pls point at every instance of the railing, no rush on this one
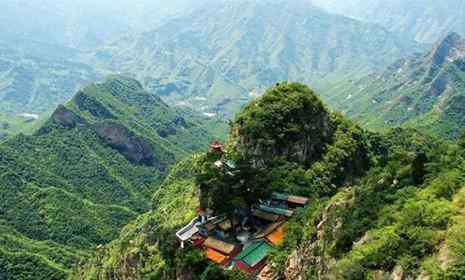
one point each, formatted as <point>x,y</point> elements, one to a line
<point>188,231</point>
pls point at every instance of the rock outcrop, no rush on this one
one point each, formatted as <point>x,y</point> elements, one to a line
<point>309,254</point>
<point>133,148</point>
<point>450,49</point>
<point>66,118</point>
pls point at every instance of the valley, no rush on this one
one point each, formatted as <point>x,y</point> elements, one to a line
<point>309,45</point>
<point>232,140</point>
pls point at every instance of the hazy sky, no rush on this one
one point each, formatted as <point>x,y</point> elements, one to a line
<point>84,22</point>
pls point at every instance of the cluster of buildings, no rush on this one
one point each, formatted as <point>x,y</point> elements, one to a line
<point>246,241</point>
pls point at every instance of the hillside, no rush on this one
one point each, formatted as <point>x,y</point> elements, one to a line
<point>424,20</point>
<point>240,48</point>
<point>34,78</point>
<point>382,205</point>
<point>88,171</point>
<point>424,91</point>
<point>41,56</point>
<point>236,52</point>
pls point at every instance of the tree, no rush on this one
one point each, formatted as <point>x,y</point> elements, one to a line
<point>226,188</point>
<point>418,168</point>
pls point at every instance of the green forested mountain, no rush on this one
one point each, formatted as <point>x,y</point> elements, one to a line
<point>239,48</point>
<point>42,44</point>
<point>96,188</point>
<point>88,171</point>
<point>425,91</point>
<point>382,205</point>
<point>425,20</point>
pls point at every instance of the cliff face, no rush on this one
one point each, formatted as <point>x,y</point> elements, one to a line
<point>134,148</point>
<point>313,253</point>
<point>450,49</point>
<point>66,118</point>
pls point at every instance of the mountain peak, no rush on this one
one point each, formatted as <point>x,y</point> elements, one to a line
<point>283,122</point>
<point>449,49</point>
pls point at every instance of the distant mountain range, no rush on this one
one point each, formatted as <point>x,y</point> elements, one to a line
<point>218,57</point>
<point>212,57</point>
<point>36,77</point>
<point>425,91</point>
<point>89,170</point>
<point>84,24</point>
<point>424,20</point>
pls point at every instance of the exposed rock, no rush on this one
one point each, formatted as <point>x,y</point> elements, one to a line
<point>448,50</point>
<point>397,274</point>
<point>133,148</point>
<point>439,85</point>
<point>361,241</point>
<point>66,118</point>
<point>308,255</point>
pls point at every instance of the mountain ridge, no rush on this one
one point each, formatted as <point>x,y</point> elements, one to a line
<point>414,91</point>
<point>246,51</point>
<point>87,172</point>
<point>424,20</point>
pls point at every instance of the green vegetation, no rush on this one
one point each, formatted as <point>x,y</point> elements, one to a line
<point>305,149</point>
<point>389,220</point>
<point>147,248</point>
<point>241,51</point>
<point>424,91</point>
<point>86,173</point>
<point>35,77</point>
<point>381,204</point>
<point>10,126</point>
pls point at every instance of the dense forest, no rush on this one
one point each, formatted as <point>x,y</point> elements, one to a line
<point>86,173</point>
